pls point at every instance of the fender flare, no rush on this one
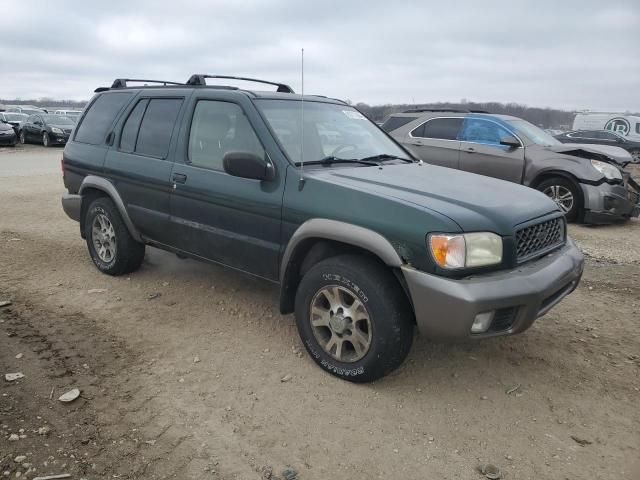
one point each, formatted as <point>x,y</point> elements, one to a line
<point>104,185</point>
<point>325,229</point>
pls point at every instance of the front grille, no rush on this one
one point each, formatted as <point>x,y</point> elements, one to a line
<point>536,240</point>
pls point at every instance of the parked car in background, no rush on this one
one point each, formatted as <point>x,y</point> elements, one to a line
<point>7,135</point>
<point>26,109</point>
<point>14,119</point>
<point>626,125</point>
<point>603,137</point>
<point>586,181</point>
<point>72,114</point>
<point>553,131</point>
<point>47,129</point>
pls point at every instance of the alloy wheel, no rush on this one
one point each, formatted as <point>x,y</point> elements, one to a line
<point>104,238</point>
<point>561,195</point>
<point>341,323</point>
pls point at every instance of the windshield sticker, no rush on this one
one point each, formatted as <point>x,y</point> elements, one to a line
<point>354,115</point>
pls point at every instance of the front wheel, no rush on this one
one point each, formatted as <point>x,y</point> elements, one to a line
<point>23,139</point>
<point>354,318</point>
<point>45,140</point>
<point>566,194</point>
<point>635,155</point>
<point>113,250</point>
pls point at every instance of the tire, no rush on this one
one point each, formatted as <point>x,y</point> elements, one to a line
<point>45,140</point>
<point>383,341</point>
<point>23,140</point>
<point>110,235</point>
<point>560,189</point>
<point>635,154</point>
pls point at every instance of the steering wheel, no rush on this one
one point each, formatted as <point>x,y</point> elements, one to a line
<point>343,146</point>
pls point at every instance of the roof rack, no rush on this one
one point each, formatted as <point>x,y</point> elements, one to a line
<point>200,79</point>
<point>421,110</point>
<point>122,82</point>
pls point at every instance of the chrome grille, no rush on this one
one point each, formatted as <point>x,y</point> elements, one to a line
<point>538,239</point>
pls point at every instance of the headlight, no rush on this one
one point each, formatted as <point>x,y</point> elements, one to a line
<point>466,250</point>
<point>56,130</point>
<point>609,171</point>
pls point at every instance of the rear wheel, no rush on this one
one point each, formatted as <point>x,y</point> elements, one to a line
<point>565,193</point>
<point>45,140</point>
<point>353,318</point>
<point>112,248</point>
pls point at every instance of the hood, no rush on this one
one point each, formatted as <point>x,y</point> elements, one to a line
<point>474,202</point>
<point>64,128</point>
<point>606,153</point>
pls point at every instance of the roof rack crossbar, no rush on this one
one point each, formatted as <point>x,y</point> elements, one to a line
<point>200,79</point>
<point>122,82</point>
<point>420,110</point>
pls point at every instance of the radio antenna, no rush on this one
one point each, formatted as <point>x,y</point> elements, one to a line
<point>301,181</point>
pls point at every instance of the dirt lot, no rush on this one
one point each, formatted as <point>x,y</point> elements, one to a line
<point>188,384</point>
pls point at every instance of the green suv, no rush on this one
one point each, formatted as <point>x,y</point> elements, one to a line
<point>365,241</point>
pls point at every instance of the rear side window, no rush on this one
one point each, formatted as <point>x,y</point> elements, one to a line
<point>394,123</point>
<point>441,128</point>
<point>157,125</point>
<point>131,126</point>
<point>99,117</point>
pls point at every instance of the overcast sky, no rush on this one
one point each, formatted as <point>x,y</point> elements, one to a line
<point>565,54</point>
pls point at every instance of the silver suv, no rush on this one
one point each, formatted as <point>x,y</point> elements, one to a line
<point>586,181</point>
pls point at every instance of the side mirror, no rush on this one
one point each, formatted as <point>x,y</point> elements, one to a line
<point>248,165</point>
<point>510,141</point>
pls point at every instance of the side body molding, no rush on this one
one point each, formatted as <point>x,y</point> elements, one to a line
<point>99,183</point>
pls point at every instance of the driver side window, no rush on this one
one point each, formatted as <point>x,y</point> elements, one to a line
<point>218,128</point>
<point>482,131</point>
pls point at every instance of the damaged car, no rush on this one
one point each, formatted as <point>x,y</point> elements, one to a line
<point>586,181</point>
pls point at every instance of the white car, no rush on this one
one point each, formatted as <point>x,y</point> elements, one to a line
<point>71,114</point>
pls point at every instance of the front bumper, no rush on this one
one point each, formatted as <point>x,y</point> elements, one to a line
<point>72,205</point>
<point>10,139</point>
<point>59,138</point>
<point>606,203</point>
<point>445,308</point>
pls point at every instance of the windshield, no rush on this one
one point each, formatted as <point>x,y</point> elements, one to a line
<point>533,133</point>
<point>15,117</point>
<point>330,130</point>
<point>57,120</point>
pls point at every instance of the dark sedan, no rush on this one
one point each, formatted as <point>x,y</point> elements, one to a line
<point>7,135</point>
<point>14,119</point>
<point>602,137</point>
<point>46,129</point>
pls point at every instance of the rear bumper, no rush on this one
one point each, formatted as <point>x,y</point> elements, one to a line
<point>445,308</point>
<point>72,205</point>
<point>607,203</point>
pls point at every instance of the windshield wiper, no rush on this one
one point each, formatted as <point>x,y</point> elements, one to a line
<point>330,160</point>
<point>385,156</point>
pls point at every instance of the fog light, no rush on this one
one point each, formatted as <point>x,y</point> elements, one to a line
<point>482,322</point>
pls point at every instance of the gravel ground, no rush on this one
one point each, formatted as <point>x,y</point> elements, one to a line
<point>188,384</point>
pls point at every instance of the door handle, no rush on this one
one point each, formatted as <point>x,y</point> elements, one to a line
<point>470,149</point>
<point>179,178</point>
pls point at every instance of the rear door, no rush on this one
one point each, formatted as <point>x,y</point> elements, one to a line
<point>436,141</point>
<point>139,164</point>
<point>230,220</point>
<point>481,152</point>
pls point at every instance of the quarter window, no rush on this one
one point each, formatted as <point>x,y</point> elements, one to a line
<point>157,125</point>
<point>441,128</point>
<point>99,118</point>
<point>482,131</point>
<point>218,128</point>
